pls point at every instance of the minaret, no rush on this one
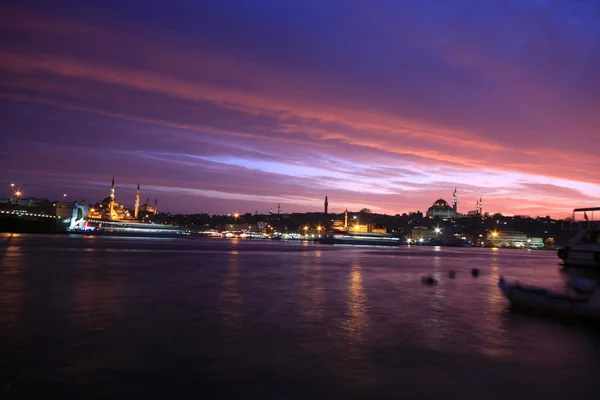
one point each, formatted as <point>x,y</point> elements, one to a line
<point>346,219</point>
<point>477,207</point>
<point>481,206</point>
<point>326,205</point>
<point>454,200</point>
<point>137,202</point>
<point>112,199</point>
<point>155,206</point>
<point>278,209</point>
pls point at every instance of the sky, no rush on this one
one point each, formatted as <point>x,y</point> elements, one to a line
<point>237,106</point>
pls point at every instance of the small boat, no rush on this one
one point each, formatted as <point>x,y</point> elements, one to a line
<point>545,301</point>
<point>582,285</point>
<point>584,248</point>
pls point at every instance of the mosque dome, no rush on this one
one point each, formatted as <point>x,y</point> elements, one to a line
<point>440,204</point>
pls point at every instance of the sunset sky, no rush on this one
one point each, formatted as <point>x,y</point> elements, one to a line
<point>225,106</point>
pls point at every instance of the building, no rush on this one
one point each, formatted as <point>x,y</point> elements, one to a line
<point>111,210</point>
<point>356,227</point>
<point>423,234</point>
<point>441,209</point>
<point>508,239</point>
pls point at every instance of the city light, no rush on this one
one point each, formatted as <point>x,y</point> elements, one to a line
<point>12,185</point>
<point>64,195</point>
<point>494,234</point>
<point>18,193</point>
<point>438,230</point>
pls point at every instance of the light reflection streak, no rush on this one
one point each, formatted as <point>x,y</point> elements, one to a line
<point>496,335</point>
<point>436,325</point>
<point>12,298</point>
<point>357,320</point>
<point>231,296</point>
<point>97,295</point>
<point>312,293</point>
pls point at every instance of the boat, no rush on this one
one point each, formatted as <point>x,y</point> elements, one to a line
<point>548,302</point>
<point>360,239</point>
<point>584,248</point>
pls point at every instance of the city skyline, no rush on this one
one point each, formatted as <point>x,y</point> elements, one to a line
<point>237,106</point>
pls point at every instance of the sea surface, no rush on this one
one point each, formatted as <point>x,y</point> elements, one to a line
<point>112,317</point>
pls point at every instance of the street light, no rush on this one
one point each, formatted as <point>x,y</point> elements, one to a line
<point>438,230</point>
<point>18,193</point>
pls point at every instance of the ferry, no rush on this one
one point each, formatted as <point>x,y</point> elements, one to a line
<point>128,228</point>
<point>584,248</point>
<point>360,239</point>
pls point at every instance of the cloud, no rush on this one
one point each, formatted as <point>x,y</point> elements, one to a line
<point>387,110</point>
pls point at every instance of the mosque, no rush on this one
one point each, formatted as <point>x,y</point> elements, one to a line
<point>441,209</point>
<point>109,209</point>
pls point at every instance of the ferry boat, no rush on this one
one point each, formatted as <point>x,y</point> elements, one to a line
<point>584,248</point>
<point>129,228</point>
<point>360,239</point>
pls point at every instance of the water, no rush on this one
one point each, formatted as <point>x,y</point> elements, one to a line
<point>107,317</point>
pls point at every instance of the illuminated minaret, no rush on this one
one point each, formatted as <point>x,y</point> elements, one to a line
<point>481,206</point>
<point>112,199</point>
<point>137,202</point>
<point>454,200</point>
<point>346,219</point>
<point>326,204</point>
<point>477,207</point>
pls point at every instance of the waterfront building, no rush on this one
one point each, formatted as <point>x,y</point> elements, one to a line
<point>423,234</point>
<point>508,239</point>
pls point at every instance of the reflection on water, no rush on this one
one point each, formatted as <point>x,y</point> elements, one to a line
<point>13,293</point>
<point>231,294</point>
<point>98,293</point>
<point>295,320</point>
<point>357,320</point>
<point>495,332</point>
<point>312,293</point>
<point>436,327</point>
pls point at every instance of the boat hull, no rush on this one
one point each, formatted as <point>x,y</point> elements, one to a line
<point>359,242</point>
<point>544,302</point>
<point>580,257</point>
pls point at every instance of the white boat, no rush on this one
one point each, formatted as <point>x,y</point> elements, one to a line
<point>544,301</point>
<point>584,248</point>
